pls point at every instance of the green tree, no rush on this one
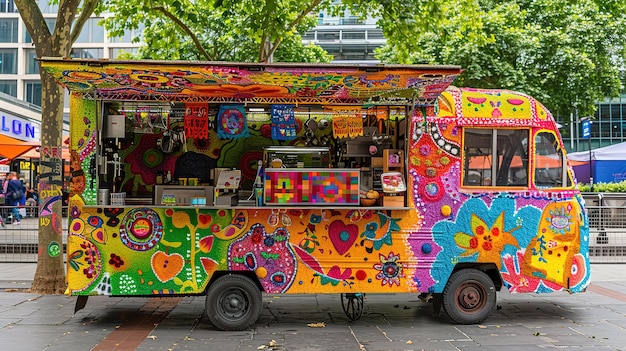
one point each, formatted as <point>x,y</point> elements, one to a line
<point>252,30</point>
<point>50,273</point>
<point>240,31</point>
<point>566,54</point>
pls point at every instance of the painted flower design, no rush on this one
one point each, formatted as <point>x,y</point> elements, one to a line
<point>389,271</point>
<point>560,219</point>
<point>484,240</point>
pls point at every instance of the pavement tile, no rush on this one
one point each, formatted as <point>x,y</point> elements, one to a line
<point>525,322</point>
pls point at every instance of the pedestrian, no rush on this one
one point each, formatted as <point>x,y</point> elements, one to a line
<point>14,195</point>
<point>5,184</point>
<point>32,200</point>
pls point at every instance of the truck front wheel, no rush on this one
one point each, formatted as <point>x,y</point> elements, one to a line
<point>233,302</point>
<point>469,296</point>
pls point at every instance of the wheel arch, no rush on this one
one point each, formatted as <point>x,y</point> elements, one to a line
<point>218,274</point>
<point>488,268</point>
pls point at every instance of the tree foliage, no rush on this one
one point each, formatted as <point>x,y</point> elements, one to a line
<point>566,54</point>
<point>226,30</point>
<point>251,30</point>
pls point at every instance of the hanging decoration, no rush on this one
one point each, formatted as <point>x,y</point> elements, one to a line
<point>231,122</point>
<point>347,121</point>
<point>197,120</point>
<point>283,122</point>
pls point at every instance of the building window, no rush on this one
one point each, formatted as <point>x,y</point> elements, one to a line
<point>8,61</point>
<point>310,35</point>
<point>92,32</point>
<point>31,63</point>
<point>7,6</point>
<point>327,36</point>
<point>87,53</point>
<point>346,35</point>
<point>33,92</point>
<point>9,87</point>
<point>47,6</point>
<point>8,30</point>
<point>350,21</point>
<point>130,36</point>
<point>117,52</point>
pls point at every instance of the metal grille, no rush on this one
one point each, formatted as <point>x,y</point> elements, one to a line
<point>19,242</point>
<point>607,223</point>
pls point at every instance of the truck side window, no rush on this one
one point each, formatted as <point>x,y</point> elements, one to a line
<point>477,151</point>
<point>513,157</point>
<point>508,148</point>
<point>550,171</point>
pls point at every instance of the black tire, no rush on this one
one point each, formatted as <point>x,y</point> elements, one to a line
<point>233,302</point>
<point>469,296</point>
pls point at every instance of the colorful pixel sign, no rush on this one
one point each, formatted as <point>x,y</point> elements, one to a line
<point>312,187</point>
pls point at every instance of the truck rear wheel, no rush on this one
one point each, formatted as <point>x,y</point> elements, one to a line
<point>469,296</point>
<point>233,302</point>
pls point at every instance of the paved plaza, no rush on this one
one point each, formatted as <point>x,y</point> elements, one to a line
<point>594,320</point>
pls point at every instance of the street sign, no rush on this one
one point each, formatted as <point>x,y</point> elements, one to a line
<point>586,129</point>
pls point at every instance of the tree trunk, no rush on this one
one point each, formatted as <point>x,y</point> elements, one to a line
<point>50,274</point>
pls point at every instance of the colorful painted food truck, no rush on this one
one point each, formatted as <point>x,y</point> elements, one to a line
<point>233,179</point>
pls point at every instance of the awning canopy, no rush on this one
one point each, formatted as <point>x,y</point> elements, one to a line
<point>252,82</point>
<point>34,152</point>
<point>12,148</point>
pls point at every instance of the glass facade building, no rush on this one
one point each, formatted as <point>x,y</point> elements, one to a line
<point>608,126</point>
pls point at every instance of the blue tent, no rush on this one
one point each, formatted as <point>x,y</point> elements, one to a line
<point>607,163</point>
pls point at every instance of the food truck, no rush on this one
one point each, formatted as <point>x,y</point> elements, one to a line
<point>235,179</point>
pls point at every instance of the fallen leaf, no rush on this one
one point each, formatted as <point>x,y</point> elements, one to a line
<point>317,325</point>
<point>410,342</point>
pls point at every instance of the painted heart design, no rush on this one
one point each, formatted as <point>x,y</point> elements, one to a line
<point>165,266</point>
<point>204,220</point>
<point>335,272</point>
<point>342,235</point>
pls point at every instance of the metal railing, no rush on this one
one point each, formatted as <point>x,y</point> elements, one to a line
<point>19,242</point>
<point>607,222</point>
<point>607,227</point>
